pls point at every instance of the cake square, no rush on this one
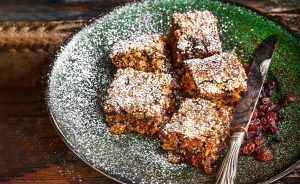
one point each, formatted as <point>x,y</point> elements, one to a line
<point>219,78</point>
<point>145,53</point>
<point>196,133</point>
<point>138,101</point>
<point>193,35</point>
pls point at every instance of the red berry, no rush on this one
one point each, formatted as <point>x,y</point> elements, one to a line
<point>264,121</point>
<point>273,107</point>
<point>265,100</point>
<point>259,140</point>
<point>263,108</point>
<point>265,128</point>
<point>255,122</point>
<point>248,148</point>
<point>269,92</point>
<point>254,115</point>
<point>289,98</point>
<point>251,133</point>
<point>253,127</point>
<point>264,154</point>
<point>272,116</point>
<point>272,127</point>
<point>270,84</point>
<point>269,109</point>
<point>283,102</point>
<point>265,124</point>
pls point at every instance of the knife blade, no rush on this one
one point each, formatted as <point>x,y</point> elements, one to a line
<point>245,107</point>
<point>256,77</point>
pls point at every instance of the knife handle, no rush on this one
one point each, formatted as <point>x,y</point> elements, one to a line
<point>228,169</point>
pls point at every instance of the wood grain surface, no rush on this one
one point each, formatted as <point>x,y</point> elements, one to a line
<point>31,150</point>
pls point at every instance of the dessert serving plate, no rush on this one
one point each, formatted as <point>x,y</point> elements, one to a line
<point>82,71</point>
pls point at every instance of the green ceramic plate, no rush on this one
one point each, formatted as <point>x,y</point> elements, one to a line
<point>82,72</point>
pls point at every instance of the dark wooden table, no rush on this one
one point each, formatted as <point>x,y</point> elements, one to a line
<point>31,150</point>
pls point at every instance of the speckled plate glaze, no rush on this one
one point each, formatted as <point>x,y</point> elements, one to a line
<point>82,72</point>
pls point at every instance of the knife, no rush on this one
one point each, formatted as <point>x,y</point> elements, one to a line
<point>245,107</point>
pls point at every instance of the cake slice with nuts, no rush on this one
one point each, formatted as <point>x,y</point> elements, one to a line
<point>196,133</point>
<point>138,101</point>
<point>193,35</point>
<point>220,78</point>
<point>145,53</point>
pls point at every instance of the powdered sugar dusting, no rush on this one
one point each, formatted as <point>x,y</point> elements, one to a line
<point>78,87</point>
<point>143,41</point>
<point>140,92</point>
<point>197,32</point>
<point>199,118</point>
<point>218,73</point>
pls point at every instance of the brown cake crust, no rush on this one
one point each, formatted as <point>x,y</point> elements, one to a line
<point>220,78</point>
<point>138,101</point>
<point>196,133</point>
<point>193,35</point>
<point>145,53</point>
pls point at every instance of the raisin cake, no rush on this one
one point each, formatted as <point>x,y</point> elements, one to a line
<point>145,53</point>
<point>138,101</point>
<point>196,133</point>
<point>220,78</point>
<point>193,35</point>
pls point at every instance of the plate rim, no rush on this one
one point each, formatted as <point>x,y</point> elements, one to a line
<point>93,20</point>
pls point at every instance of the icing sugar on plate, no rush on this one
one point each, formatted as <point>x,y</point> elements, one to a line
<point>81,73</point>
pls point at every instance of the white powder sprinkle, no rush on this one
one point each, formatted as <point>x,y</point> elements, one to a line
<point>78,87</point>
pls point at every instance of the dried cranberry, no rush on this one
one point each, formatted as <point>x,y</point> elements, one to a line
<point>269,109</point>
<point>273,107</point>
<point>264,121</point>
<point>271,116</point>
<point>280,113</point>
<point>265,100</point>
<point>248,148</point>
<point>254,115</point>
<point>289,98</point>
<point>251,133</point>
<point>261,113</point>
<point>273,127</point>
<point>264,154</point>
<point>266,125</point>
<point>265,128</point>
<point>259,140</point>
<point>253,128</point>
<point>255,122</point>
<point>270,84</point>
<point>282,102</point>
<point>269,93</point>
<point>263,108</point>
